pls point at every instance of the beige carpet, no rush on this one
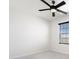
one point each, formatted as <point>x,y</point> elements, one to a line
<point>46,55</point>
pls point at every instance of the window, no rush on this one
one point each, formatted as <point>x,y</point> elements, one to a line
<point>64,33</point>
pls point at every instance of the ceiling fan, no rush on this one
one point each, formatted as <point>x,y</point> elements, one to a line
<point>54,8</point>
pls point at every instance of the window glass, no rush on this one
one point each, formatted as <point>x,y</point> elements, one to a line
<point>64,33</point>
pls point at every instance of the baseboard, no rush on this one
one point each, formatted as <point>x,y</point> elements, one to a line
<point>59,52</point>
<point>31,53</point>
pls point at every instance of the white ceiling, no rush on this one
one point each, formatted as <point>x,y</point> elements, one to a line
<point>31,7</point>
<point>48,15</point>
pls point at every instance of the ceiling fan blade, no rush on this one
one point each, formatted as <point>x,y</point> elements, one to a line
<point>60,4</point>
<point>44,9</point>
<point>53,14</point>
<point>61,11</point>
<point>45,3</point>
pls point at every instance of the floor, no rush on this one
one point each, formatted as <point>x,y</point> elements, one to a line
<point>46,55</point>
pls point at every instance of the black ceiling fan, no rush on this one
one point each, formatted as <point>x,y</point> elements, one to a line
<point>54,8</point>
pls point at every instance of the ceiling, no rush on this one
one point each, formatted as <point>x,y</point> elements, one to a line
<point>48,14</point>
<point>31,7</point>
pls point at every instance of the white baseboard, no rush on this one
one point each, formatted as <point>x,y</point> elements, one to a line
<point>30,53</point>
<point>60,52</point>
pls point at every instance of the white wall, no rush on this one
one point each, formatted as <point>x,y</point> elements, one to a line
<point>28,34</point>
<point>29,31</point>
<point>55,46</point>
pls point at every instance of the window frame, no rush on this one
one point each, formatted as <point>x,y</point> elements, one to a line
<point>60,32</point>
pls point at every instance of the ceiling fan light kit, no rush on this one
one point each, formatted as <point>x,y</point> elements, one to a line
<point>54,8</point>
